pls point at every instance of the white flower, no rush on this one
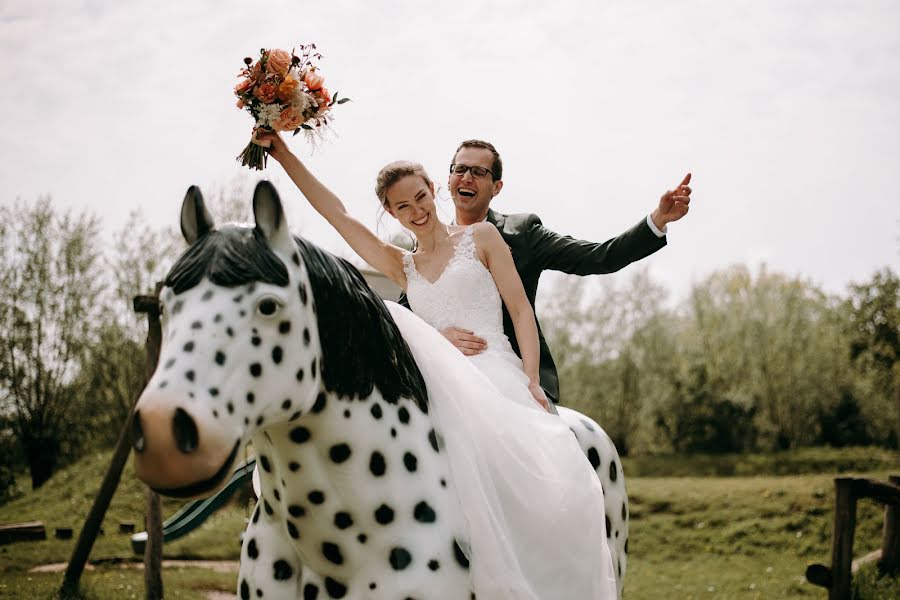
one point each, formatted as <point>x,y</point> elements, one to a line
<point>300,100</point>
<point>268,114</point>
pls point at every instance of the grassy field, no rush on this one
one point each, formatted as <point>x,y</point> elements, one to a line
<point>693,536</point>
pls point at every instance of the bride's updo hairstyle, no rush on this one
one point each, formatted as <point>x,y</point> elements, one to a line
<point>394,172</point>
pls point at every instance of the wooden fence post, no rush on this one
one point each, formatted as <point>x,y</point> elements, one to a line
<point>890,547</point>
<point>153,584</point>
<point>94,520</point>
<point>844,528</point>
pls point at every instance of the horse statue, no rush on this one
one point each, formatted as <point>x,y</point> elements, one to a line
<point>269,340</point>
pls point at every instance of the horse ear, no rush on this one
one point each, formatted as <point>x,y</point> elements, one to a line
<point>269,216</point>
<point>195,219</point>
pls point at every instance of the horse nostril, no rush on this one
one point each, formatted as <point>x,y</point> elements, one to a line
<point>137,432</point>
<point>186,437</point>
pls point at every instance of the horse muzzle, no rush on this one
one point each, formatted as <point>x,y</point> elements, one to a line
<point>175,454</point>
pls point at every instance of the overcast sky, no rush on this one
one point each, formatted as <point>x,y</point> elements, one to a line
<point>787,112</point>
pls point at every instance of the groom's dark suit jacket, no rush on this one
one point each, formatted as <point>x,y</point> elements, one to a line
<point>536,249</point>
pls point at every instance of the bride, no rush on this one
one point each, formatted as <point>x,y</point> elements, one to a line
<point>531,505</point>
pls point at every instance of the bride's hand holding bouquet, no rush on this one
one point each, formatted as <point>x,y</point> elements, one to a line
<point>283,91</point>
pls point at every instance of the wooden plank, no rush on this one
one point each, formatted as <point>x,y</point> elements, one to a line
<point>28,531</point>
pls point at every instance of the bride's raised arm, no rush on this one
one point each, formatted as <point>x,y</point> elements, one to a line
<point>384,257</point>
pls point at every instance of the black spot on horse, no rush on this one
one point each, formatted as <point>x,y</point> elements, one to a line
<point>188,347</point>
<point>245,590</point>
<point>284,327</point>
<point>196,325</point>
<point>230,408</point>
<point>434,565</point>
<point>250,398</point>
<point>190,375</point>
<point>299,434</point>
<point>376,410</point>
<point>587,424</point>
<point>277,354</point>
<point>306,336</point>
<point>252,550</point>
<point>403,415</point>
<point>460,557</point>
<point>319,404</point>
<point>310,591</point>
<point>400,558</point>
<point>256,340</point>
<point>267,507</point>
<point>613,471</point>
<point>176,308</point>
<point>410,462</point>
<point>423,513</point>
<point>303,294</point>
<point>282,570</point>
<point>316,497</point>
<point>169,363</point>
<point>339,453</point>
<point>264,463</point>
<point>332,553</point>
<point>384,514</point>
<point>217,318</point>
<point>377,464</point>
<point>296,511</point>
<point>433,440</point>
<point>299,374</point>
<point>256,369</point>
<point>286,405</point>
<point>608,526</point>
<point>294,466</point>
<point>293,531</point>
<point>277,494</point>
<point>334,588</point>
<point>342,520</point>
<point>594,457</point>
<point>213,392</point>
<point>220,358</point>
<point>624,512</point>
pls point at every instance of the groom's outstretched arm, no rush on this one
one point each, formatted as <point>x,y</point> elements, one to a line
<point>549,250</point>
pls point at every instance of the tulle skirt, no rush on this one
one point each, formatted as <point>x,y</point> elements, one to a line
<point>530,505</point>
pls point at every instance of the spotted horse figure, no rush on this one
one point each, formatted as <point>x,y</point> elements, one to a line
<point>271,340</point>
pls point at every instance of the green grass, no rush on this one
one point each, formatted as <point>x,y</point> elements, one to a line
<point>692,537</point>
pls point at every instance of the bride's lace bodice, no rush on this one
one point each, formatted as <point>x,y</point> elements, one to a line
<point>464,295</point>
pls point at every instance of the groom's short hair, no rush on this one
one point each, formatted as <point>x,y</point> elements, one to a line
<point>496,166</point>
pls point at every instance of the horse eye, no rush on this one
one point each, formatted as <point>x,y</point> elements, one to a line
<point>268,307</point>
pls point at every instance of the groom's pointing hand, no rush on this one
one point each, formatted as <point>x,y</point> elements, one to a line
<point>465,341</point>
<point>673,204</point>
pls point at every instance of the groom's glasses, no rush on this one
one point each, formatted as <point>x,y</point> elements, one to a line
<point>477,172</point>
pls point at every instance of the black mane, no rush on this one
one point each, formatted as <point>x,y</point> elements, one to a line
<point>361,345</point>
<point>230,257</point>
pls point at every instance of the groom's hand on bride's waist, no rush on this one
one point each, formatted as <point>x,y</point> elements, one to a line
<point>465,341</point>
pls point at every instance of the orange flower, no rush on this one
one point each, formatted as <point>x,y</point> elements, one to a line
<point>266,92</point>
<point>243,86</point>
<point>290,118</point>
<point>313,80</point>
<point>279,62</point>
<point>287,87</point>
<point>323,98</point>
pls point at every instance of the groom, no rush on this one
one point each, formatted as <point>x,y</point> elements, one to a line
<point>476,177</point>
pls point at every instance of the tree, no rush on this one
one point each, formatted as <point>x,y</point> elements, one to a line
<point>874,347</point>
<point>49,287</point>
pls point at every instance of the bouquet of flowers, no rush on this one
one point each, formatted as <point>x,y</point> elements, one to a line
<point>283,91</point>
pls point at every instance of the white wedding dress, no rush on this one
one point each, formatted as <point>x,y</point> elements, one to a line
<point>531,506</point>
